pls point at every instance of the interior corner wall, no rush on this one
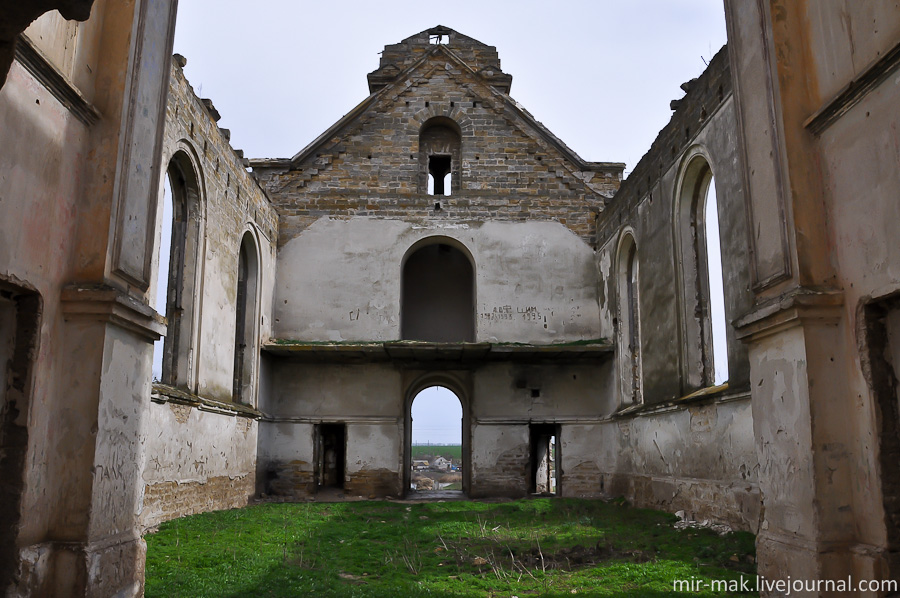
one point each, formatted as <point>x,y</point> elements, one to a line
<point>200,458</point>
<point>695,454</point>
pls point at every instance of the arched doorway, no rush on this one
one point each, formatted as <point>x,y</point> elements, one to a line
<point>437,299</point>
<point>437,442</point>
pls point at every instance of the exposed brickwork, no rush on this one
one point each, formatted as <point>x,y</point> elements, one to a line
<point>168,500</point>
<point>374,482</point>
<point>509,476</point>
<point>705,95</point>
<point>368,164</point>
<point>481,58</point>
<point>231,194</point>
<point>735,504</point>
<point>291,479</point>
<point>581,480</point>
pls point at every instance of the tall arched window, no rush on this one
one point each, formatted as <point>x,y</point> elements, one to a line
<point>703,321</point>
<point>716,285</point>
<point>439,156</point>
<point>178,262</point>
<point>437,298</point>
<point>245,331</point>
<point>629,321</point>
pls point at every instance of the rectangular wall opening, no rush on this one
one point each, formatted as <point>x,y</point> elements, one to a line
<point>331,455</point>
<point>20,312</point>
<point>439,169</point>
<point>882,368</point>
<point>545,459</point>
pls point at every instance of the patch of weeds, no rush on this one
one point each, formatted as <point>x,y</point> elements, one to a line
<point>548,547</point>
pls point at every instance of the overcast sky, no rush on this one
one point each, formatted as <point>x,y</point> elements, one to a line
<point>599,74</point>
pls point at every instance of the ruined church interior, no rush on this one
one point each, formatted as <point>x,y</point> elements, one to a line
<point>439,235</point>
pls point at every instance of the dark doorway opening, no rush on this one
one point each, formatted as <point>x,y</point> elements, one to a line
<point>881,365</point>
<point>331,455</point>
<point>20,312</point>
<point>545,468</point>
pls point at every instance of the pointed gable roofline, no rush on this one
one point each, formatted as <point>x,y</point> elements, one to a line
<point>513,107</point>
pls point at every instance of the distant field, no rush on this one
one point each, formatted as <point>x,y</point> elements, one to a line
<point>450,451</point>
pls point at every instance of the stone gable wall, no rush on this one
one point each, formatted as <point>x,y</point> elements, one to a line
<point>509,171</point>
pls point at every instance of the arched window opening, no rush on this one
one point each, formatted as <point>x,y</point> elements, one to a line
<point>438,295</point>
<point>436,447</point>
<point>629,321</point>
<point>439,156</point>
<point>703,322</point>
<point>245,334</point>
<point>716,285</point>
<point>161,301</point>
<point>178,262</point>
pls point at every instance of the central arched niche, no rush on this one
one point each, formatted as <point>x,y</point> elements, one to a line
<point>437,299</point>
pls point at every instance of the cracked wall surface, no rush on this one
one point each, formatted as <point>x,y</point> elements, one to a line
<point>200,448</point>
<point>688,446</point>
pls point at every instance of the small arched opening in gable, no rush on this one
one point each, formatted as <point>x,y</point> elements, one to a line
<point>440,140</point>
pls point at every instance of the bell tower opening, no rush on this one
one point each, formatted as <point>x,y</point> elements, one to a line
<point>440,140</point>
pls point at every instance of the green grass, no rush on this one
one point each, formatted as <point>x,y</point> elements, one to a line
<point>539,547</point>
<point>451,451</point>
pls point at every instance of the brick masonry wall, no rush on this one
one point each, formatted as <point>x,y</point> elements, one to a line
<point>198,460</point>
<point>511,168</point>
<point>169,500</point>
<point>706,94</point>
<point>232,196</point>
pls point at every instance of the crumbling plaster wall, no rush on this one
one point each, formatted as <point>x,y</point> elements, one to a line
<point>371,399</point>
<point>37,203</point>
<point>72,97</point>
<point>340,280</point>
<point>864,145</point>
<point>368,398</point>
<point>851,141</point>
<point>201,453</point>
<point>679,452</point>
<point>352,210</point>
<point>820,140</point>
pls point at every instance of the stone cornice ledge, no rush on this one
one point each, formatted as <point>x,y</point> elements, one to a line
<point>712,395</point>
<point>163,393</point>
<point>788,310</point>
<point>107,303</point>
<point>34,61</point>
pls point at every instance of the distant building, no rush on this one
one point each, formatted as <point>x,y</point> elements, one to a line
<point>441,463</point>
